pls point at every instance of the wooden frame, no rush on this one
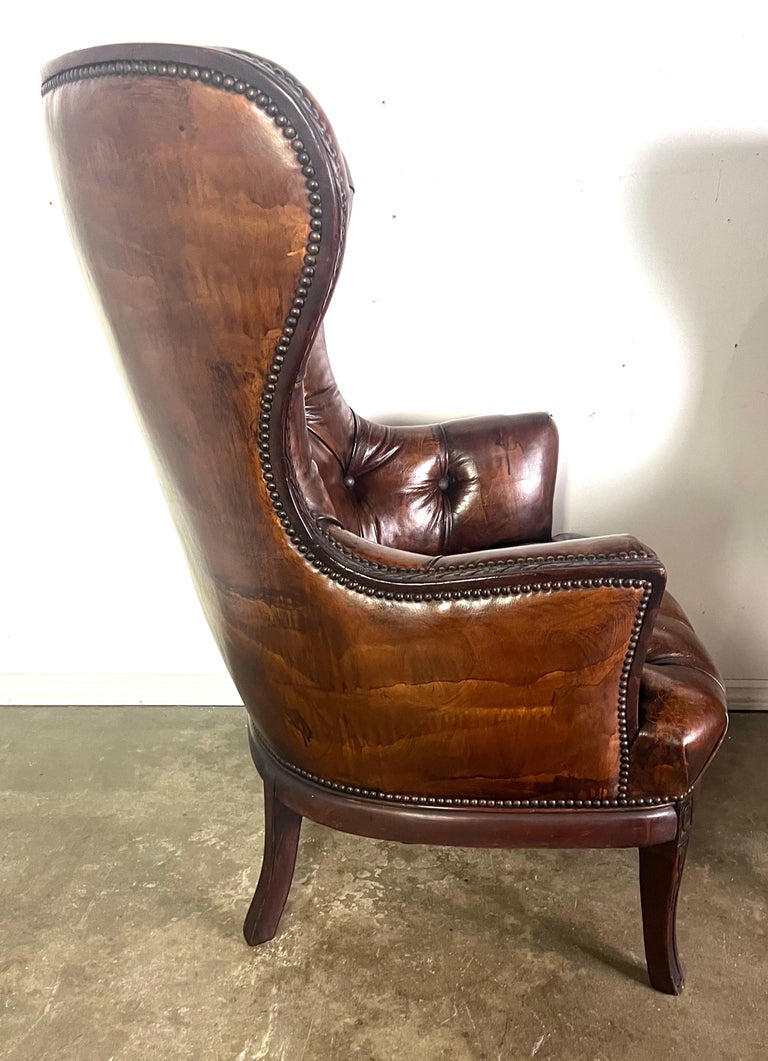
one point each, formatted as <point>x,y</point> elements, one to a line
<point>660,833</point>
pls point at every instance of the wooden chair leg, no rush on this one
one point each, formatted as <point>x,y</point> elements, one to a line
<point>281,841</point>
<point>661,870</point>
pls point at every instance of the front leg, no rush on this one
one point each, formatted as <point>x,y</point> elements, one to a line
<point>661,870</point>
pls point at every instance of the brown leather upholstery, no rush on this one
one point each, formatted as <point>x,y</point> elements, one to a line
<point>683,708</point>
<point>443,488</point>
<point>388,599</point>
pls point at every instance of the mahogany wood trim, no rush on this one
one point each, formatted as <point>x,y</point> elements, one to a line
<point>659,833</point>
<point>281,840</point>
<point>661,872</point>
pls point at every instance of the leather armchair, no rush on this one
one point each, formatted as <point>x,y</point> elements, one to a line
<point>418,658</point>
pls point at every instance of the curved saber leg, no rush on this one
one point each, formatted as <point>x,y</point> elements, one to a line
<point>281,841</point>
<point>661,870</point>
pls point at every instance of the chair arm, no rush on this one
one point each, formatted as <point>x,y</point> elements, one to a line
<point>618,560</point>
<point>439,657</point>
<point>683,708</point>
<point>683,720</point>
<point>619,554</point>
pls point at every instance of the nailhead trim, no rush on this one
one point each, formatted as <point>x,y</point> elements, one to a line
<point>228,83</point>
<point>464,801</point>
<point>622,799</point>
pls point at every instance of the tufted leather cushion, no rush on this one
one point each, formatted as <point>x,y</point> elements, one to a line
<point>442,488</point>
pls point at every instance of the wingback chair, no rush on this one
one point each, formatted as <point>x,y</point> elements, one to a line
<point>419,659</point>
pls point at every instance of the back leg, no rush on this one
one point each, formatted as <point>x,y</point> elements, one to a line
<point>281,841</point>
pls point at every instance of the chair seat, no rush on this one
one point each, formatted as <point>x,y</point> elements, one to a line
<point>682,709</point>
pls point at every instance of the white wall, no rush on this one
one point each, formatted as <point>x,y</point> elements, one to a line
<point>559,206</point>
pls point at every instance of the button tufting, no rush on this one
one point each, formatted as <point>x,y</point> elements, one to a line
<point>443,483</point>
<point>349,480</point>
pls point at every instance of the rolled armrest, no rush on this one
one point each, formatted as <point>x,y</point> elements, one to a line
<point>683,709</point>
<point>683,720</point>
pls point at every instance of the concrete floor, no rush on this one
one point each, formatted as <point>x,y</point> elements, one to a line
<point>131,845</point>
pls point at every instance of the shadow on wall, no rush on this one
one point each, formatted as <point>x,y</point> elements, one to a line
<point>698,214</point>
<point>696,211</point>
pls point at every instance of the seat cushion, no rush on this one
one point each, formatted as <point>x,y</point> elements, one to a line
<point>683,715</point>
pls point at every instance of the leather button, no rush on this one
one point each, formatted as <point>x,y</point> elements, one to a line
<point>443,483</point>
<point>349,481</point>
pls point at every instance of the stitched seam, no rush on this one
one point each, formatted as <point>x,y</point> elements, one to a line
<point>677,661</point>
<point>508,563</point>
<point>321,442</point>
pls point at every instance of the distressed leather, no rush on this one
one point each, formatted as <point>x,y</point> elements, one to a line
<point>389,600</point>
<point>683,708</point>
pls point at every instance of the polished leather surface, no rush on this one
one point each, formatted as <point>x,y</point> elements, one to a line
<point>441,488</point>
<point>682,707</point>
<point>388,600</point>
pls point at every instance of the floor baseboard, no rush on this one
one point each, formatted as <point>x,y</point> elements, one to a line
<point>159,690</point>
<point>747,694</point>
